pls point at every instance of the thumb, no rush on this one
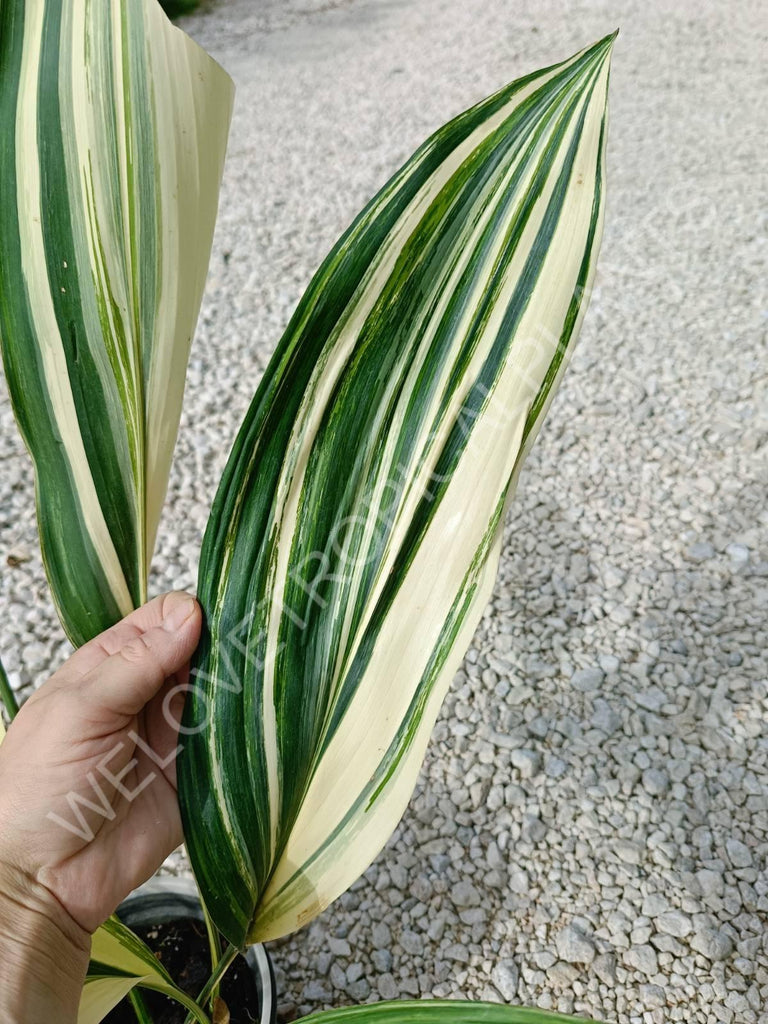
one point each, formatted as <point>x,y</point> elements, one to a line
<point>130,677</point>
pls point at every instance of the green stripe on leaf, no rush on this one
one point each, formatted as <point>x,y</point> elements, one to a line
<point>354,540</point>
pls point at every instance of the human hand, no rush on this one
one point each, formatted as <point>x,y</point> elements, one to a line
<point>88,806</point>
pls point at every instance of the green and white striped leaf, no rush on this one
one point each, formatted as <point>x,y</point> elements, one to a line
<point>119,963</point>
<point>113,128</point>
<point>438,1011</point>
<point>355,537</point>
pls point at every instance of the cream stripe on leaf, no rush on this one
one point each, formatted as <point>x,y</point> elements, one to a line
<point>114,128</point>
<point>119,963</point>
<point>355,537</point>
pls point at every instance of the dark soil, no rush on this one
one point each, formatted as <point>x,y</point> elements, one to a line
<point>182,948</point>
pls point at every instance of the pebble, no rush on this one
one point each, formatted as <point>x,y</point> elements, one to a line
<point>574,947</point>
<point>562,975</point>
<point>629,852</point>
<point>643,959</point>
<point>738,853</point>
<point>712,943</point>
<point>411,942</point>
<point>700,552</point>
<point>652,699</point>
<point>316,992</point>
<point>339,947</point>
<point>737,553</point>
<point>605,718</point>
<point>653,996</point>
<point>710,882</point>
<point>527,762</point>
<point>464,894</point>
<point>654,905</point>
<point>534,829</point>
<point>587,680</point>
<point>506,976</point>
<point>381,936</point>
<point>382,960</point>
<point>354,972</point>
<point>655,781</point>
<point>674,923</point>
<point>604,966</point>
<point>609,663</point>
<point>555,767</point>
<point>387,986</point>
<point>518,881</point>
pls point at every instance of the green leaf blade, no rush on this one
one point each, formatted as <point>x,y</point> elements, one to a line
<point>121,962</point>
<point>439,1011</point>
<point>355,538</point>
<point>111,154</point>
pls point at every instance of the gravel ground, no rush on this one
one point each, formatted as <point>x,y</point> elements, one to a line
<point>590,831</point>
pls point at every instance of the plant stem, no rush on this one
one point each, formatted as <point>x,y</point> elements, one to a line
<point>139,1007</point>
<point>219,971</point>
<point>214,942</point>
<point>195,1012</point>
<point>7,694</point>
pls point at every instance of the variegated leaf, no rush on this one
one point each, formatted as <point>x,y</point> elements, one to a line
<point>119,963</point>
<point>355,537</point>
<point>438,1011</point>
<point>113,127</point>
<point>101,994</point>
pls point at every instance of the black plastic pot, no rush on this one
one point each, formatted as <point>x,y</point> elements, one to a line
<point>167,900</point>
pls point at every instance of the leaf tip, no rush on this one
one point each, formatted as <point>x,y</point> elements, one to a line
<point>606,43</point>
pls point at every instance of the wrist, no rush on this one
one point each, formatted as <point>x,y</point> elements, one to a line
<point>43,952</point>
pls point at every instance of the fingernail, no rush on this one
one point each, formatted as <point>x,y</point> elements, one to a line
<point>178,608</point>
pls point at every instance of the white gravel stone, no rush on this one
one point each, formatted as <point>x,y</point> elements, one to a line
<point>713,943</point>
<point>506,976</point>
<point>574,947</point>
<point>655,781</point>
<point>464,894</point>
<point>675,923</point>
<point>652,996</point>
<point>737,552</point>
<point>642,959</point>
<point>710,882</point>
<point>604,966</point>
<point>587,679</point>
<point>654,905</point>
<point>527,762</point>
<point>738,853</point>
<point>382,960</point>
<point>381,935</point>
<point>629,852</point>
<point>339,947</point>
<point>387,986</point>
<point>411,942</point>
<point>605,718</point>
<point>562,975</point>
<point>700,552</point>
<point>518,881</point>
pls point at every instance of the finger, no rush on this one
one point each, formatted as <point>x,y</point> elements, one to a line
<point>103,646</point>
<point>162,718</point>
<point>130,678</point>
